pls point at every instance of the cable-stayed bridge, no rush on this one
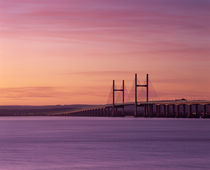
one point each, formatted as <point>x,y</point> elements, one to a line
<point>144,108</point>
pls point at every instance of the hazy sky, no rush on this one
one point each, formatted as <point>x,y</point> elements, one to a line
<point>69,51</point>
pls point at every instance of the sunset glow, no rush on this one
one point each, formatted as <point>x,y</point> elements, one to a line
<point>69,51</point>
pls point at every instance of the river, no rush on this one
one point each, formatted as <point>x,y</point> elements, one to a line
<point>73,143</point>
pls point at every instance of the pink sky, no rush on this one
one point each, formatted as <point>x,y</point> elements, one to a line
<point>69,51</point>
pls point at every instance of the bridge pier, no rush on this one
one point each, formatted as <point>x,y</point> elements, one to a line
<point>145,110</point>
<point>158,110</point>
<point>184,110</point>
<point>205,111</point>
<point>178,110</point>
<point>109,112</point>
<point>98,113</point>
<point>106,112</point>
<point>89,113</point>
<point>189,114</point>
<point>167,110</point>
<point>114,107</point>
<point>92,113</point>
<point>151,110</point>
<point>145,114</point>
<point>197,111</point>
<point>164,110</point>
<point>103,112</point>
<point>174,110</point>
<point>113,111</point>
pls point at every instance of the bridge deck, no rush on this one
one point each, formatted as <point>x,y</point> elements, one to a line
<point>178,108</point>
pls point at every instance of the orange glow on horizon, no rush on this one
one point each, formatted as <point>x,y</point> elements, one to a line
<point>69,53</point>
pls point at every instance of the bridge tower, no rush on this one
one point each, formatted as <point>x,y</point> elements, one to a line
<point>114,105</point>
<point>136,94</point>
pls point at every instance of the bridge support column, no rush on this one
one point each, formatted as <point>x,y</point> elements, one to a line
<point>136,95</point>
<point>157,111</point>
<point>196,111</point>
<point>178,110</point>
<point>113,111</point>
<point>110,112</point>
<point>102,112</point>
<point>145,110</point>
<point>105,112</point>
<point>189,111</point>
<point>99,113</point>
<point>160,110</point>
<point>151,110</point>
<point>174,110</point>
<point>168,111</point>
<point>165,110</point>
<point>114,108</point>
<point>184,110</point>
<point>204,111</point>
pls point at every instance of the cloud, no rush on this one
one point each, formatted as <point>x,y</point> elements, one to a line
<point>102,40</point>
<point>47,92</point>
<point>101,73</point>
<point>126,29</point>
<point>56,18</point>
<point>28,92</point>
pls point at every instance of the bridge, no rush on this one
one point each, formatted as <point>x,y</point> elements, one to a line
<point>169,108</point>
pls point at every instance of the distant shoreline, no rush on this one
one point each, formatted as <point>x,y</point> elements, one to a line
<point>50,110</point>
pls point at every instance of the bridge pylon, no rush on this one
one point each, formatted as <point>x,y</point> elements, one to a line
<point>136,94</point>
<point>114,105</point>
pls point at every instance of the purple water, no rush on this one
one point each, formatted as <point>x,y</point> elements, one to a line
<point>66,143</point>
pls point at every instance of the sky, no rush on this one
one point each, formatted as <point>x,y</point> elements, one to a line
<point>69,51</point>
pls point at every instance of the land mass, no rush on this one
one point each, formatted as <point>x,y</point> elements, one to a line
<point>48,110</point>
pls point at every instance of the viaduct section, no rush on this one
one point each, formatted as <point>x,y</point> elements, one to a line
<point>170,108</point>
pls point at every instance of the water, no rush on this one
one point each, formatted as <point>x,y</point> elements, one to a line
<point>66,143</point>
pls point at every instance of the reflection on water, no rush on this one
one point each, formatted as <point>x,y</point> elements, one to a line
<point>33,143</point>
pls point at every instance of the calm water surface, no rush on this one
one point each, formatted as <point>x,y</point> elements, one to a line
<point>66,143</point>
